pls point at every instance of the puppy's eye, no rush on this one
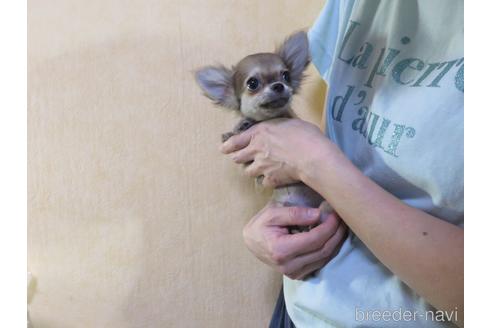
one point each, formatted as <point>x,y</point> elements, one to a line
<point>253,83</point>
<point>286,76</point>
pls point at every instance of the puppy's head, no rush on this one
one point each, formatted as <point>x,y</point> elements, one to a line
<point>260,85</point>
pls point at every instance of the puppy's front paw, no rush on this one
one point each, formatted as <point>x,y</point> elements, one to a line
<point>245,124</point>
<point>226,136</point>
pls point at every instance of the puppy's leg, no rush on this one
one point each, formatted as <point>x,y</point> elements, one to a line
<point>243,125</point>
<point>226,136</point>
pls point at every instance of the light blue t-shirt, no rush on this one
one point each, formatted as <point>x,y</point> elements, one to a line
<point>395,73</point>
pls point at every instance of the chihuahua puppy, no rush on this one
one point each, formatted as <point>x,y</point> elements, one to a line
<point>260,87</point>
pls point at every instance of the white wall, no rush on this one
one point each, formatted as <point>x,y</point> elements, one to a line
<point>135,218</point>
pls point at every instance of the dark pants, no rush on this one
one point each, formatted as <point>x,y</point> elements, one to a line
<point>280,317</point>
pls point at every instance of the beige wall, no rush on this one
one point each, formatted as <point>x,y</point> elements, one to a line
<point>135,218</point>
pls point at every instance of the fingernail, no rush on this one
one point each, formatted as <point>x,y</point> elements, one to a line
<point>223,147</point>
<point>324,216</point>
<point>312,213</point>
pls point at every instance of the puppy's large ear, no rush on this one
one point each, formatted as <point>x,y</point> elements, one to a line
<point>218,84</point>
<point>295,54</point>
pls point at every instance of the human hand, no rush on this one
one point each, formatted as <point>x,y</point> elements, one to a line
<point>294,255</point>
<point>278,149</point>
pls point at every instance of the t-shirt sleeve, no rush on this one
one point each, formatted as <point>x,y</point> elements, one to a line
<point>325,33</point>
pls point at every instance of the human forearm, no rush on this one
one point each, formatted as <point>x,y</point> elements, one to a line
<point>424,251</point>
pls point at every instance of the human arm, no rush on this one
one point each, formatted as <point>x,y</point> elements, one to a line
<point>422,250</point>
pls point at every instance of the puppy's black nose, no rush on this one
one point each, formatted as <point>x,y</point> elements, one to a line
<point>278,87</point>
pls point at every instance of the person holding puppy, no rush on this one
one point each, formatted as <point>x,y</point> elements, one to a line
<point>391,167</point>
